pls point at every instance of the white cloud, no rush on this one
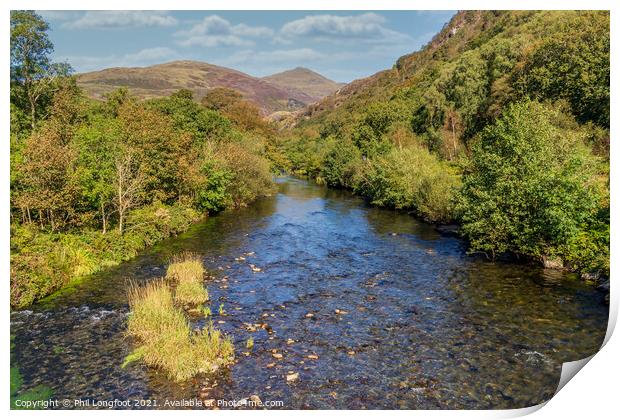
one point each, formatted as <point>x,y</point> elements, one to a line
<point>368,27</point>
<point>300,55</point>
<point>214,31</point>
<point>60,15</point>
<point>143,57</point>
<point>121,19</point>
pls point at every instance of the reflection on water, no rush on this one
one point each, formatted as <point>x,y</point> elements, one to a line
<point>393,315</point>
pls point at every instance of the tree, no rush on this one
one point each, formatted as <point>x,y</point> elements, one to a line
<point>574,65</point>
<point>47,164</point>
<point>128,182</point>
<point>219,98</point>
<point>31,69</point>
<point>530,187</point>
<point>97,145</point>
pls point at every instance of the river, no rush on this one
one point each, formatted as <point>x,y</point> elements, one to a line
<point>392,313</point>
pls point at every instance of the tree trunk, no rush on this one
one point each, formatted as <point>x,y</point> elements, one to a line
<point>103,219</point>
<point>120,222</point>
<point>33,112</point>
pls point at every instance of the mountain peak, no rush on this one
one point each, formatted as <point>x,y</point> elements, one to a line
<point>305,80</point>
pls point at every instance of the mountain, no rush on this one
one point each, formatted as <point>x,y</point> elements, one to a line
<point>163,79</point>
<point>305,80</point>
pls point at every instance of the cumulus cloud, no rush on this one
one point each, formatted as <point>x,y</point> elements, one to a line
<point>121,19</point>
<point>368,27</point>
<point>214,31</point>
<point>139,58</point>
<point>299,55</point>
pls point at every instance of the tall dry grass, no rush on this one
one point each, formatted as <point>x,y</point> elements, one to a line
<point>187,272</point>
<point>166,339</point>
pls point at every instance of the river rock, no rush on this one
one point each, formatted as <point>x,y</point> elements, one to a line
<point>604,286</point>
<point>255,399</point>
<point>292,377</point>
<point>313,356</point>
<point>277,355</point>
<point>591,275</point>
<point>452,229</point>
<point>552,262</point>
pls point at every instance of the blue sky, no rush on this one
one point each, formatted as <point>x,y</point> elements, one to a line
<point>340,45</point>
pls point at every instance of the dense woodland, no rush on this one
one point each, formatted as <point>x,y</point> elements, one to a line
<point>500,124</point>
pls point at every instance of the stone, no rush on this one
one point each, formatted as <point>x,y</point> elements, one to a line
<point>309,315</point>
<point>290,341</point>
<point>313,356</point>
<point>255,399</point>
<point>292,377</point>
<point>277,355</point>
<point>552,262</point>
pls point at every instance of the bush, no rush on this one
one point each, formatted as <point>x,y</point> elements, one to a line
<point>340,164</point>
<point>411,179</point>
<point>530,187</point>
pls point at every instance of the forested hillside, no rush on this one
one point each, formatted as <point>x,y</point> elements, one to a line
<point>500,123</point>
<point>93,182</point>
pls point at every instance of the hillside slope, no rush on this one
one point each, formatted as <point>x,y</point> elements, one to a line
<point>500,123</point>
<point>164,79</point>
<point>305,80</point>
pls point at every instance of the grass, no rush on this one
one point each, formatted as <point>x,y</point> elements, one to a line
<point>187,271</point>
<point>167,341</point>
<point>39,394</point>
<point>44,263</point>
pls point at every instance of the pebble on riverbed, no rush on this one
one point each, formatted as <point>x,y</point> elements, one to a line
<point>292,377</point>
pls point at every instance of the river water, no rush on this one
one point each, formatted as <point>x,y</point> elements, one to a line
<point>392,313</point>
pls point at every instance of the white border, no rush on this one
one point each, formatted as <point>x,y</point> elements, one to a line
<point>593,394</point>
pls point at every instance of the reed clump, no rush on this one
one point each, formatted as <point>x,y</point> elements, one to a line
<point>187,272</point>
<point>166,339</point>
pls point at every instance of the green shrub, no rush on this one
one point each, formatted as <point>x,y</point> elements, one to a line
<point>530,187</point>
<point>43,262</point>
<point>411,179</point>
<point>340,164</point>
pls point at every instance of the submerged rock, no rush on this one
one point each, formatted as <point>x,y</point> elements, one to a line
<point>552,262</point>
<point>292,377</point>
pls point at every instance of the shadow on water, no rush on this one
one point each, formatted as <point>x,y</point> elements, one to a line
<point>372,308</point>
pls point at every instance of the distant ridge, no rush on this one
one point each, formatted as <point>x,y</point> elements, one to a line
<point>270,94</point>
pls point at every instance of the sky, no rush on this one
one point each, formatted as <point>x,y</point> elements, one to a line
<point>342,46</point>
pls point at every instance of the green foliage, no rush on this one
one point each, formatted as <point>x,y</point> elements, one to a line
<point>43,262</point>
<point>340,164</point>
<point>574,65</point>
<point>411,179</point>
<point>369,135</point>
<point>188,116</point>
<point>39,393</point>
<point>530,187</point>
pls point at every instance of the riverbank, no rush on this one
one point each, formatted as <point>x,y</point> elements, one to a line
<point>42,263</point>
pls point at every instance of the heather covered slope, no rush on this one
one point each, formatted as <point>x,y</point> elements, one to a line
<point>164,79</point>
<point>305,80</point>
